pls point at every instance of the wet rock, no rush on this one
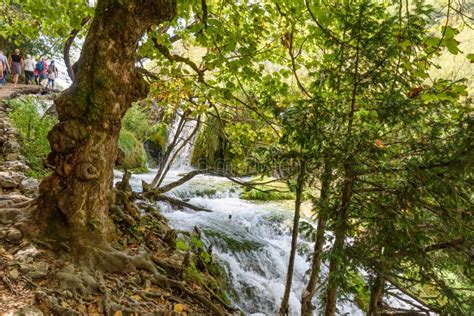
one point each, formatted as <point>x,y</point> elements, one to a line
<point>14,236</point>
<point>29,185</point>
<point>28,311</point>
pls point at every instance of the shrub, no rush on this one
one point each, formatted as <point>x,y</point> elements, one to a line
<point>34,128</point>
<point>137,121</point>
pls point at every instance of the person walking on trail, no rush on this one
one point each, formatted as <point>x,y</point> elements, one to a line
<point>4,68</point>
<point>16,62</point>
<point>29,69</point>
<point>41,69</point>
<point>53,73</point>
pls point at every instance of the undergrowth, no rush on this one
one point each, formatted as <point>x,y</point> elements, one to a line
<point>27,117</point>
<point>136,127</point>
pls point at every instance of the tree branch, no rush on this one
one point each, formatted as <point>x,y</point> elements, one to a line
<point>67,47</point>
<point>177,58</point>
<point>175,202</point>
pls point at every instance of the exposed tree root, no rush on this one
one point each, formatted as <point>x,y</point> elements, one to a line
<point>141,272</point>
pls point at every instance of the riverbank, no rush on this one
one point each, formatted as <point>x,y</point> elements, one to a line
<point>142,272</point>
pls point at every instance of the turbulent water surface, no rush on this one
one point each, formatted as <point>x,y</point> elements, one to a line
<point>251,239</point>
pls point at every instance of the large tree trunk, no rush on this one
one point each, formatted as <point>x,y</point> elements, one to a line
<point>74,201</point>
<point>306,306</point>
<point>337,252</point>
<point>294,239</point>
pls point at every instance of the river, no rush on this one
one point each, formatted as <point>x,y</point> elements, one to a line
<point>251,239</point>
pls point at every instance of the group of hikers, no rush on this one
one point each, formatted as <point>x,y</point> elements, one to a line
<point>35,72</point>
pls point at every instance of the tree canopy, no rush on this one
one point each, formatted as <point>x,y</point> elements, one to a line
<point>345,101</point>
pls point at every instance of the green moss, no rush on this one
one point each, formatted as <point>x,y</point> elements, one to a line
<point>137,121</point>
<point>134,152</point>
<point>207,146</point>
<point>159,135</point>
<point>273,191</point>
<point>233,244</point>
<point>202,269</point>
<point>275,218</point>
<point>266,196</point>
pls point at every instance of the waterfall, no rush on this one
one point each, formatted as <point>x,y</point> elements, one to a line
<point>251,240</point>
<point>183,154</point>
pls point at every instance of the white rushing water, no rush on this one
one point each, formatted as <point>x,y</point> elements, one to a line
<point>251,239</point>
<point>184,143</point>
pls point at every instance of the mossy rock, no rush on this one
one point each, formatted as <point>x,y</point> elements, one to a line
<point>266,196</point>
<point>231,243</point>
<point>159,135</point>
<point>156,143</point>
<point>134,152</point>
<point>27,117</point>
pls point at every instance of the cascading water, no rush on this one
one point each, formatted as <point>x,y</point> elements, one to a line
<point>183,154</point>
<point>251,239</point>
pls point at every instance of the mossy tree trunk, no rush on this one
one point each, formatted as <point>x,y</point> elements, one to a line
<point>74,201</point>
<point>3,44</point>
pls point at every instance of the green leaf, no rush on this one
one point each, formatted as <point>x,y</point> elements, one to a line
<point>449,32</point>
<point>452,46</point>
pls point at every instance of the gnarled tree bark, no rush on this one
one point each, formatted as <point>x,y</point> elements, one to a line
<point>74,201</point>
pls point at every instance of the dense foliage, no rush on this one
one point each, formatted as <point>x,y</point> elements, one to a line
<point>345,87</point>
<point>29,117</point>
<point>345,102</point>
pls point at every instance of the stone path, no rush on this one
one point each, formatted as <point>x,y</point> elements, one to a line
<point>15,187</point>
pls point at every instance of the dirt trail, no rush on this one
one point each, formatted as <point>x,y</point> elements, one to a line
<point>8,90</point>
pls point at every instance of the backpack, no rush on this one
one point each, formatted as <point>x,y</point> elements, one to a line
<point>40,66</point>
